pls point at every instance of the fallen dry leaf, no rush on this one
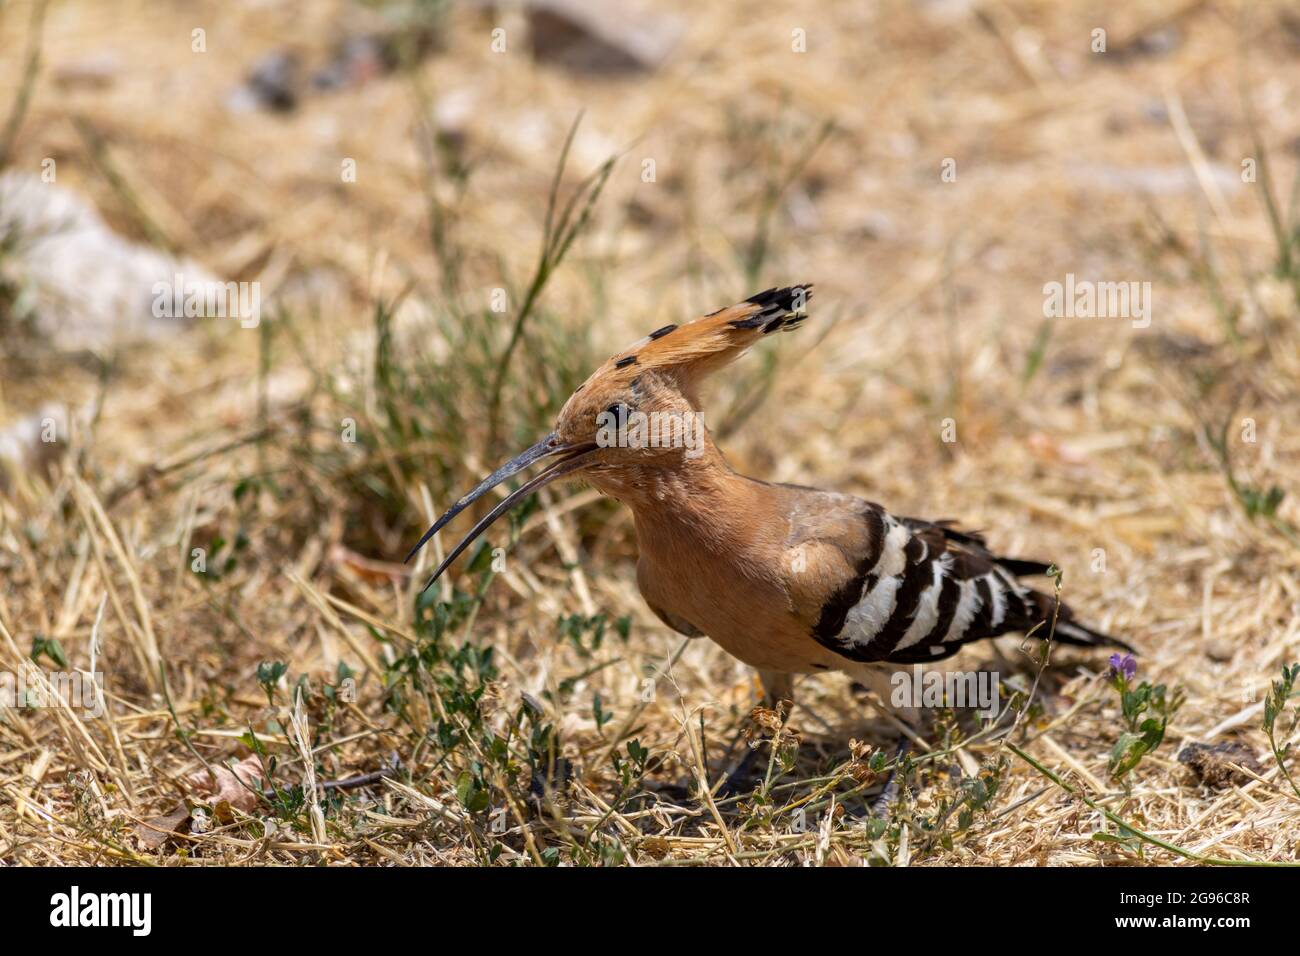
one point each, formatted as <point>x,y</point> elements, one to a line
<point>156,831</point>
<point>228,794</point>
<point>239,795</point>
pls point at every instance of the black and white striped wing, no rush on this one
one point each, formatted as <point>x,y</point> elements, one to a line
<point>924,589</point>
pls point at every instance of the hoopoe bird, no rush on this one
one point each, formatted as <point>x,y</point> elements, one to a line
<point>791,580</point>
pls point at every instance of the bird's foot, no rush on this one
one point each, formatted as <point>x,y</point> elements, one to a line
<point>880,805</point>
<point>740,779</point>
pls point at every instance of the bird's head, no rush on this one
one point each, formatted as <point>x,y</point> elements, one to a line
<point>639,410</point>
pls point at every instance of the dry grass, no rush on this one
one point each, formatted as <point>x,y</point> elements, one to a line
<point>511,729</point>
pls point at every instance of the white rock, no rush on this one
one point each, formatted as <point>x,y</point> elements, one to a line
<point>91,288</point>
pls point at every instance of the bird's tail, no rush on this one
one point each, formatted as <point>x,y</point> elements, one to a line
<point>1070,631</point>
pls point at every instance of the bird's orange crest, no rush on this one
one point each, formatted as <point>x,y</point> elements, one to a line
<point>689,353</point>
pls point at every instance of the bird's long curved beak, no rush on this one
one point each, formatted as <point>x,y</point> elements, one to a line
<point>572,458</point>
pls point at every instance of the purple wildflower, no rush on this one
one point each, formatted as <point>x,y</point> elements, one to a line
<point>1125,666</point>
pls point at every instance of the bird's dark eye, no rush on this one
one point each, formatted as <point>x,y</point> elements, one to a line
<point>616,414</point>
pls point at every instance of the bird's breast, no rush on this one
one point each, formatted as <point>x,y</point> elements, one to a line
<point>749,617</point>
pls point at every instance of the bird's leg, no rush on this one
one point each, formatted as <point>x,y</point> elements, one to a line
<point>878,680</point>
<point>777,687</point>
<point>887,795</point>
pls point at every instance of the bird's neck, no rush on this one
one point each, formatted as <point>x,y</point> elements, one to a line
<point>699,509</point>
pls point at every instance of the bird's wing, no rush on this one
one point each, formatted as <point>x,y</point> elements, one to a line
<point>904,590</point>
<point>974,542</point>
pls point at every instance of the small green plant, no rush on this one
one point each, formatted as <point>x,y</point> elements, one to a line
<point>1037,352</point>
<point>1285,222</point>
<point>287,804</point>
<point>338,692</point>
<point>268,676</point>
<point>632,769</point>
<point>972,798</point>
<point>1258,504</point>
<point>1122,837</point>
<point>600,714</point>
<point>222,557</point>
<point>23,93</point>
<point>48,647</point>
<point>1276,724</point>
<point>586,634</point>
<point>564,223</point>
<point>771,139</point>
<point>1147,711</point>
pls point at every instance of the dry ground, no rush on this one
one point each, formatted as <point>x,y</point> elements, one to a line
<point>1089,442</point>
